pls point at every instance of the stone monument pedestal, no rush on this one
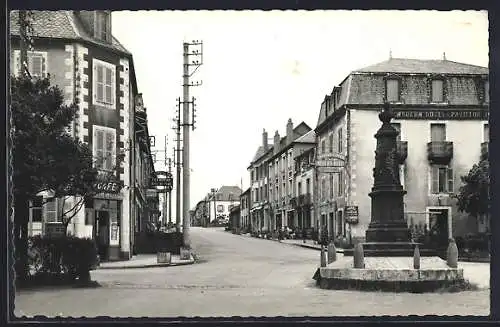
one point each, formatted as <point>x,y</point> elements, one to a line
<point>388,250</point>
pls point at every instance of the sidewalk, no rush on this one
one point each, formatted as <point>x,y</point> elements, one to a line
<point>145,261</point>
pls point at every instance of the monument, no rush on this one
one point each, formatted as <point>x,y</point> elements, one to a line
<point>388,233</point>
<point>387,256</point>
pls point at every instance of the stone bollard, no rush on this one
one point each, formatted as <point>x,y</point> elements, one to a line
<point>452,254</point>
<point>359,256</point>
<point>416,257</point>
<point>322,259</point>
<point>332,253</point>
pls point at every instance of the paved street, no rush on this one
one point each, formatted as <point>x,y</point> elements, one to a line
<point>236,276</point>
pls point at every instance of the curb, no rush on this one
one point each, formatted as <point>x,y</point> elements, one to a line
<point>153,265</point>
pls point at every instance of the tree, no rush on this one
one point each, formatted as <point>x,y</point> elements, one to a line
<point>473,196</point>
<point>45,156</point>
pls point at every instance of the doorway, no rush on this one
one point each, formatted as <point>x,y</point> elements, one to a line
<point>340,223</point>
<point>331,225</point>
<point>439,227</point>
<point>101,228</point>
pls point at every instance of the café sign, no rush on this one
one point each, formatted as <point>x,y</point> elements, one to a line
<point>108,187</point>
<point>441,114</point>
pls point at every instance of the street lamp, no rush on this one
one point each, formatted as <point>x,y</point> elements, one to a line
<point>213,191</point>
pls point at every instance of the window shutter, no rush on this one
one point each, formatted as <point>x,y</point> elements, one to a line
<point>17,63</point>
<point>94,147</point>
<point>44,66</point>
<point>434,179</point>
<point>113,85</point>
<point>450,180</point>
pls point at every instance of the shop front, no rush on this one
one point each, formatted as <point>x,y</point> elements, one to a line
<point>106,208</point>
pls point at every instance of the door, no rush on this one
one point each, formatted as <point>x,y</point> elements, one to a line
<point>438,227</point>
<point>331,226</point>
<point>102,233</point>
<point>340,223</point>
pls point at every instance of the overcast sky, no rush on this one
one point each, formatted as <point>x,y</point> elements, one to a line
<point>261,68</point>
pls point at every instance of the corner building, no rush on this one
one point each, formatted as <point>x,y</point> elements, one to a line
<point>78,52</point>
<point>441,110</point>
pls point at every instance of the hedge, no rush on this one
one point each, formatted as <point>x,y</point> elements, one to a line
<point>61,258</point>
<point>157,241</point>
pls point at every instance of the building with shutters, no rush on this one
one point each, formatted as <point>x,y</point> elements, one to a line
<point>77,51</point>
<point>441,110</point>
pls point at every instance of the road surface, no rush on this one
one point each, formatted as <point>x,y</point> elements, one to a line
<point>236,276</point>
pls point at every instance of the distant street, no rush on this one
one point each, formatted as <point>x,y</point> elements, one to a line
<point>236,276</point>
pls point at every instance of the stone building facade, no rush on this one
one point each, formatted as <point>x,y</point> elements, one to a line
<point>441,111</point>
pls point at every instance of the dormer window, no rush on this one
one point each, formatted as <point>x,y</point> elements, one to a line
<point>437,91</point>
<point>392,89</point>
<point>102,24</point>
<point>486,92</point>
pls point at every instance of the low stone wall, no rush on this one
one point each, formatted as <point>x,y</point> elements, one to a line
<point>393,275</point>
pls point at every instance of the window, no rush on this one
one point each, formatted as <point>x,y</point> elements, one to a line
<point>486,133</point>
<point>437,91</point>
<point>331,186</point>
<point>104,146</point>
<point>36,209</point>
<point>323,189</point>
<point>397,126</point>
<point>308,186</point>
<point>322,146</point>
<point>290,187</point>
<point>340,181</point>
<point>486,92</point>
<point>37,63</point>
<point>51,214</point>
<point>104,83</point>
<point>340,141</point>
<point>220,208</point>
<point>441,179</point>
<point>392,90</point>
<point>438,132</point>
<point>330,143</point>
<point>299,188</point>
<point>102,26</point>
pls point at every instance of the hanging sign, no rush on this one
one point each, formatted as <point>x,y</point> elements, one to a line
<point>351,214</point>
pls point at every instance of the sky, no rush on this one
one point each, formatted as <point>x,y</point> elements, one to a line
<point>261,68</point>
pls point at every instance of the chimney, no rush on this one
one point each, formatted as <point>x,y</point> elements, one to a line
<point>264,140</point>
<point>289,131</point>
<point>276,142</point>
<point>444,55</point>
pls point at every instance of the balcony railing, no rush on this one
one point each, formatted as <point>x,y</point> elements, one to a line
<point>402,150</point>
<point>304,199</point>
<point>440,152</point>
<point>484,150</point>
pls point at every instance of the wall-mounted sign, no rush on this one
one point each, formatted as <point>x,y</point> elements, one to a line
<point>441,114</point>
<point>151,192</point>
<point>351,214</point>
<point>108,187</point>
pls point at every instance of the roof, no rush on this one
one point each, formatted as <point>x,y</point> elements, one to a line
<point>309,137</point>
<point>413,66</point>
<point>228,193</point>
<point>61,24</point>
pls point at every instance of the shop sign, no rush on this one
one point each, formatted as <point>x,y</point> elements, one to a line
<point>114,232</point>
<point>351,214</point>
<point>108,187</point>
<point>441,114</point>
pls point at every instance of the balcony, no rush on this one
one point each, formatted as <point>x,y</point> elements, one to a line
<point>484,150</point>
<point>402,150</point>
<point>439,152</point>
<point>305,199</point>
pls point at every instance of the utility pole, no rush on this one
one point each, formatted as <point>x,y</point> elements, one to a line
<point>169,193</point>
<point>177,159</point>
<point>186,124</point>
